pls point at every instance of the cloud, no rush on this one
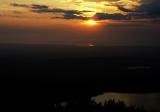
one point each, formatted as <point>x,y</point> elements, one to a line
<point>45,9</point>
<point>75,14</point>
<point>102,0</point>
<point>97,16</point>
<point>125,9</point>
<point>20,5</point>
<point>150,7</point>
<point>33,6</point>
<point>105,16</point>
<point>71,16</point>
<point>57,10</point>
<point>121,8</point>
<point>67,14</point>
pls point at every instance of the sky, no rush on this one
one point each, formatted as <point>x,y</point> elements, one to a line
<point>117,22</point>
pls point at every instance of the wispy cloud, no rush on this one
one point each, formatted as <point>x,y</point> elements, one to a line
<point>67,14</point>
<point>33,6</point>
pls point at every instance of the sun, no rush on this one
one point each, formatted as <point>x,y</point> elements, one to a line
<point>91,22</point>
<point>91,45</point>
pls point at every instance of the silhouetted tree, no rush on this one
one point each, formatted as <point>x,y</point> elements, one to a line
<point>88,105</point>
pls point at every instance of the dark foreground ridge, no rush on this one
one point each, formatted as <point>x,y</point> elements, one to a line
<point>35,75</point>
<point>89,105</point>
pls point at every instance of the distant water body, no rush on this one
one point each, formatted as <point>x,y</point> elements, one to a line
<point>149,101</point>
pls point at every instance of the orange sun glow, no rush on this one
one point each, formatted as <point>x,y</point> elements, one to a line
<point>90,22</point>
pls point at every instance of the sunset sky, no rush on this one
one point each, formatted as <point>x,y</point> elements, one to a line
<point>122,22</point>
